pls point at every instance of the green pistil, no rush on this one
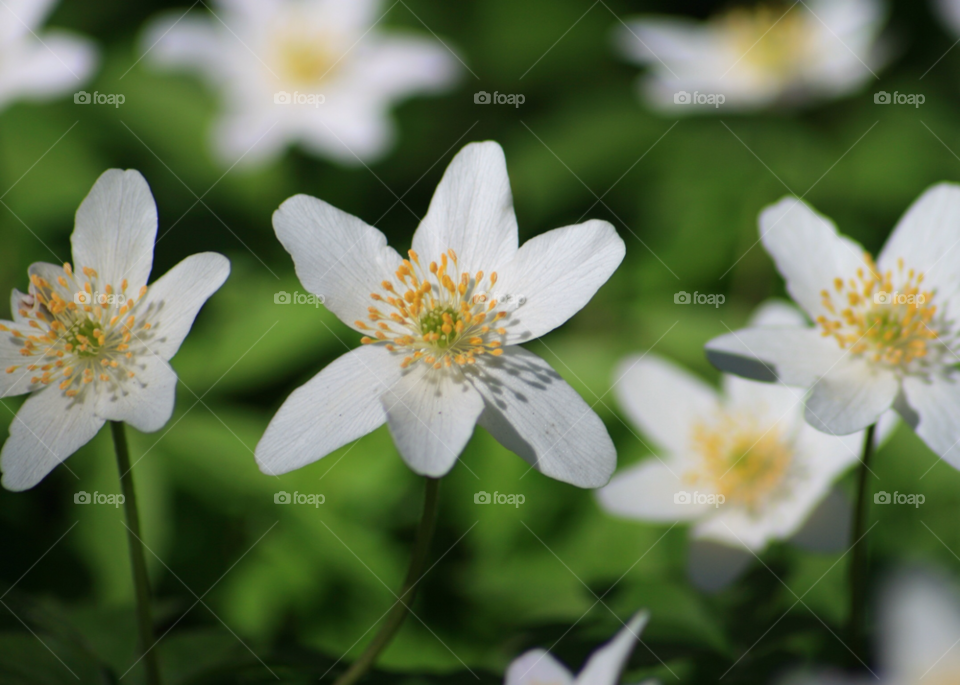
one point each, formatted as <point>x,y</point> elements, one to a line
<point>433,323</point>
<point>86,329</point>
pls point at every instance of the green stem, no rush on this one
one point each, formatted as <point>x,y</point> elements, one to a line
<point>137,560</point>
<point>418,559</point>
<point>859,566</point>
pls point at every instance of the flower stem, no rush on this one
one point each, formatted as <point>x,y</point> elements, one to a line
<point>418,559</point>
<point>858,567</point>
<point>137,561</point>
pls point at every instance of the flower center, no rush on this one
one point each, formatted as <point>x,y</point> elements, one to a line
<point>744,463</point>
<point>438,314</point>
<point>770,37</point>
<point>889,326</point>
<point>305,58</point>
<point>80,333</point>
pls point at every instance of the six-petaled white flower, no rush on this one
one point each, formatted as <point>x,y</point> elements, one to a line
<point>91,341</point>
<point>441,329</point>
<point>756,57</point>
<point>315,72</point>
<point>539,667</point>
<point>885,333</point>
<point>37,64</point>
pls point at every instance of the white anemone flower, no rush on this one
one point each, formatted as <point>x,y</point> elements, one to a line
<point>885,332</point>
<point>91,341</point>
<point>320,73</point>
<point>741,465</point>
<point>442,329</point>
<point>539,667</point>
<point>772,54</point>
<point>37,64</point>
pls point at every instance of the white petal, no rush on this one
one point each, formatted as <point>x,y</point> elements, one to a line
<point>648,491</point>
<point>711,566</point>
<point>350,132</point>
<point>921,628</point>
<point>145,401</point>
<point>48,428</point>
<point>537,667</point>
<point>393,66</point>
<point>172,303</point>
<point>189,41</point>
<point>58,66</point>
<point>19,17</point>
<point>554,275</point>
<point>338,405</point>
<point>927,239</point>
<point>775,313</point>
<point>792,356</point>
<point>663,400</point>
<point>936,403</point>
<point>17,381</point>
<point>850,397</point>
<point>115,229</point>
<point>337,256</point>
<point>768,403</point>
<point>808,251</point>
<point>471,212</point>
<point>677,42</point>
<point>605,665</point>
<point>431,414</point>
<point>532,411</point>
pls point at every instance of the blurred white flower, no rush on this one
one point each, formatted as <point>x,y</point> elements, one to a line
<point>37,64</point>
<point>91,343</point>
<point>753,58</point>
<point>442,330</point>
<point>949,13</point>
<point>886,333</point>
<point>539,667</point>
<point>741,465</point>
<point>320,73</point>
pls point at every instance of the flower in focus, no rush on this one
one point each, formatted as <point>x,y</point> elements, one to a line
<point>756,57</point>
<point>90,342</point>
<point>741,465</point>
<point>441,330</point>
<point>885,332</point>
<point>539,667</point>
<point>315,72</point>
<point>36,64</point>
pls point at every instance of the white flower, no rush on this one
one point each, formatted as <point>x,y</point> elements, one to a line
<point>885,333</point>
<point>445,325</point>
<point>36,64</point>
<point>91,341</point>
<point>316,72</point>
<point>539,667</point>
<point>756,57</point>
<point>741,465</point>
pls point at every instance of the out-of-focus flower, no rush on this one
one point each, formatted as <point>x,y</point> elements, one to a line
<point>539,667</point>
<point>320,73</point>
<point>753,58</point>
<point>742,465</point>
<point>91,342</point>
<point>949,12</point>
<point>442,330</point>
<point>37,64</point>
<point>886,332</point>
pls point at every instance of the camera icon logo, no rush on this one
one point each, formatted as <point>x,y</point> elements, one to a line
<point>682,497</point>
<point>82,498</point>
<point>881,497</point>
<point>882,98</point>
<point>82,98</point>
<point>282,498</point>
<point>282,297</point>
<point>482,98</point>
<point>682,297</point>
<point>282,98</point>
<point>883,297</point>
<point>682,98</point>
<point>482,497</point>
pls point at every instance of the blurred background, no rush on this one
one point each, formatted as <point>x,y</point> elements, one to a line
<point>251,591</point>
